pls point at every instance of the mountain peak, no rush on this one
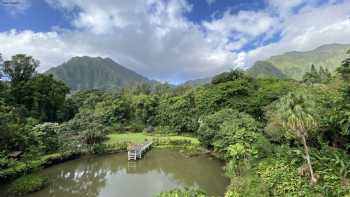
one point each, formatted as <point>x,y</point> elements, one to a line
<point>85,72</point>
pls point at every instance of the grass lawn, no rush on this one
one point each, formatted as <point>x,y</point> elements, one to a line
<point>116,138</point>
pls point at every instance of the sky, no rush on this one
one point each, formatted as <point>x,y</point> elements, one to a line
<point>170,40</point>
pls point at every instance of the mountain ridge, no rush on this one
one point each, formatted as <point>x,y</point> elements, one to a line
<point>82,73</point>
<point>295,64</point>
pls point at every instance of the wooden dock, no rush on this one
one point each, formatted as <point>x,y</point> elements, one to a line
<point>136,151</point>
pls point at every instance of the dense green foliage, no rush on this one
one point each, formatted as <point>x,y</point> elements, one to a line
<point>279,137</point>
<point>26,185</point>
<point>314,76</point>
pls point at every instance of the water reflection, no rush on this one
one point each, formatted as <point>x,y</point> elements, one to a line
<point>113,175</point>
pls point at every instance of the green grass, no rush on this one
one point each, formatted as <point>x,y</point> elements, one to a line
<point>116,138</point>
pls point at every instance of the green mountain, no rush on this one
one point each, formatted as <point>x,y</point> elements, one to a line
<point>264,69</point>
<point>81,73</point>
<point>294,64</point>
<point>197,82</point>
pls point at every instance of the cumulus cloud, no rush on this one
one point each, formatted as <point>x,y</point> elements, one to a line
<point>151,37</point>
<point>232,31</point>
<point>155,38</point>
<point>310,28</point>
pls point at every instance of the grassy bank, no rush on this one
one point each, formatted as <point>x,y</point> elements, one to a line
<point>119,142</point>
<point>116,138</point>
<point>20,168</point>
<point>116,143</point>
<point>26,185</point>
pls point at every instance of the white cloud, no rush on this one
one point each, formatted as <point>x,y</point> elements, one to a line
<point>232,31</point>
<point>151,37</point>
<point>154,37</point>
<point>312,27</point>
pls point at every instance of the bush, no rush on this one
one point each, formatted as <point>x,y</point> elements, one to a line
<point>5,162</point>
<point>174,142</point>
<point>249,185</point>
<point>229,76</point>
<point>99,148</point>
<point>229,131</point>
<point>26,185</point>
<point>183,193</point>
<point>120,146</point>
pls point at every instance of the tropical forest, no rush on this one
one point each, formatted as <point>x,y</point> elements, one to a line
<point>208,98</point>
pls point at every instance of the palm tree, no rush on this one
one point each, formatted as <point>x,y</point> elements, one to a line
<point>297,117</point>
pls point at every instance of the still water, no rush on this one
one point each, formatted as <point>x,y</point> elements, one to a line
<point>114,176</point>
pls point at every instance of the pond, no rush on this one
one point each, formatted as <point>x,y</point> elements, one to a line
<point>114,176</point>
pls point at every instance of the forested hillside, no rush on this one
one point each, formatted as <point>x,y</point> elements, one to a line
<point>294,64</point>
<point>264,69</point>
<point>84,73</point>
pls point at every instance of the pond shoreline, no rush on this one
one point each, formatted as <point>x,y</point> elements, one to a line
<point>184,146</point>
<point>187,146</point>
<point>152,156</point>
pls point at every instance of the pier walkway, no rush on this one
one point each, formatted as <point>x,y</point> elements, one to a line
<point>136,151</point>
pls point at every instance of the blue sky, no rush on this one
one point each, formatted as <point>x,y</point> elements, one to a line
<point>40,16</point>
<point>170,40</point>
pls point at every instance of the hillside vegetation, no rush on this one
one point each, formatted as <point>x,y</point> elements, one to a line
<point>263,69</point>
<point>294,64</point>
<point>84,73</point>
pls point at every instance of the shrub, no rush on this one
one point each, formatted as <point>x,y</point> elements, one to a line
<point>183,193</point>
<point>249,185</point>
<point>99,148</point>
<point>26,185</point>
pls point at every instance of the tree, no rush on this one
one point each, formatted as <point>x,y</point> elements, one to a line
<point>39,95</point>
<point>145,108</point>
<point>20,68</point>
<point>49,136</point>
<point>48,97</point>
<point>344,69</point>
<point>178,112</point>
<point>314,76</point>
<point>227,127</point>
<point>325,75</point>
<point>295,114</point>
<point>10,124</point>
<point>229,76</point>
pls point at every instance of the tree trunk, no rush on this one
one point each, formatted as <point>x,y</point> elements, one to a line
<point>307,157</point>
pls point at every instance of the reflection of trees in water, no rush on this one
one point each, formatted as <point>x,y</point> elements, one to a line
<point>195,171</point>
<point>86,179</point>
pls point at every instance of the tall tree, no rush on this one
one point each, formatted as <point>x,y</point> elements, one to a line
<point>20,68</point>
<point>48,97</point>
<point>295,114</point>
<point>344,69</point>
